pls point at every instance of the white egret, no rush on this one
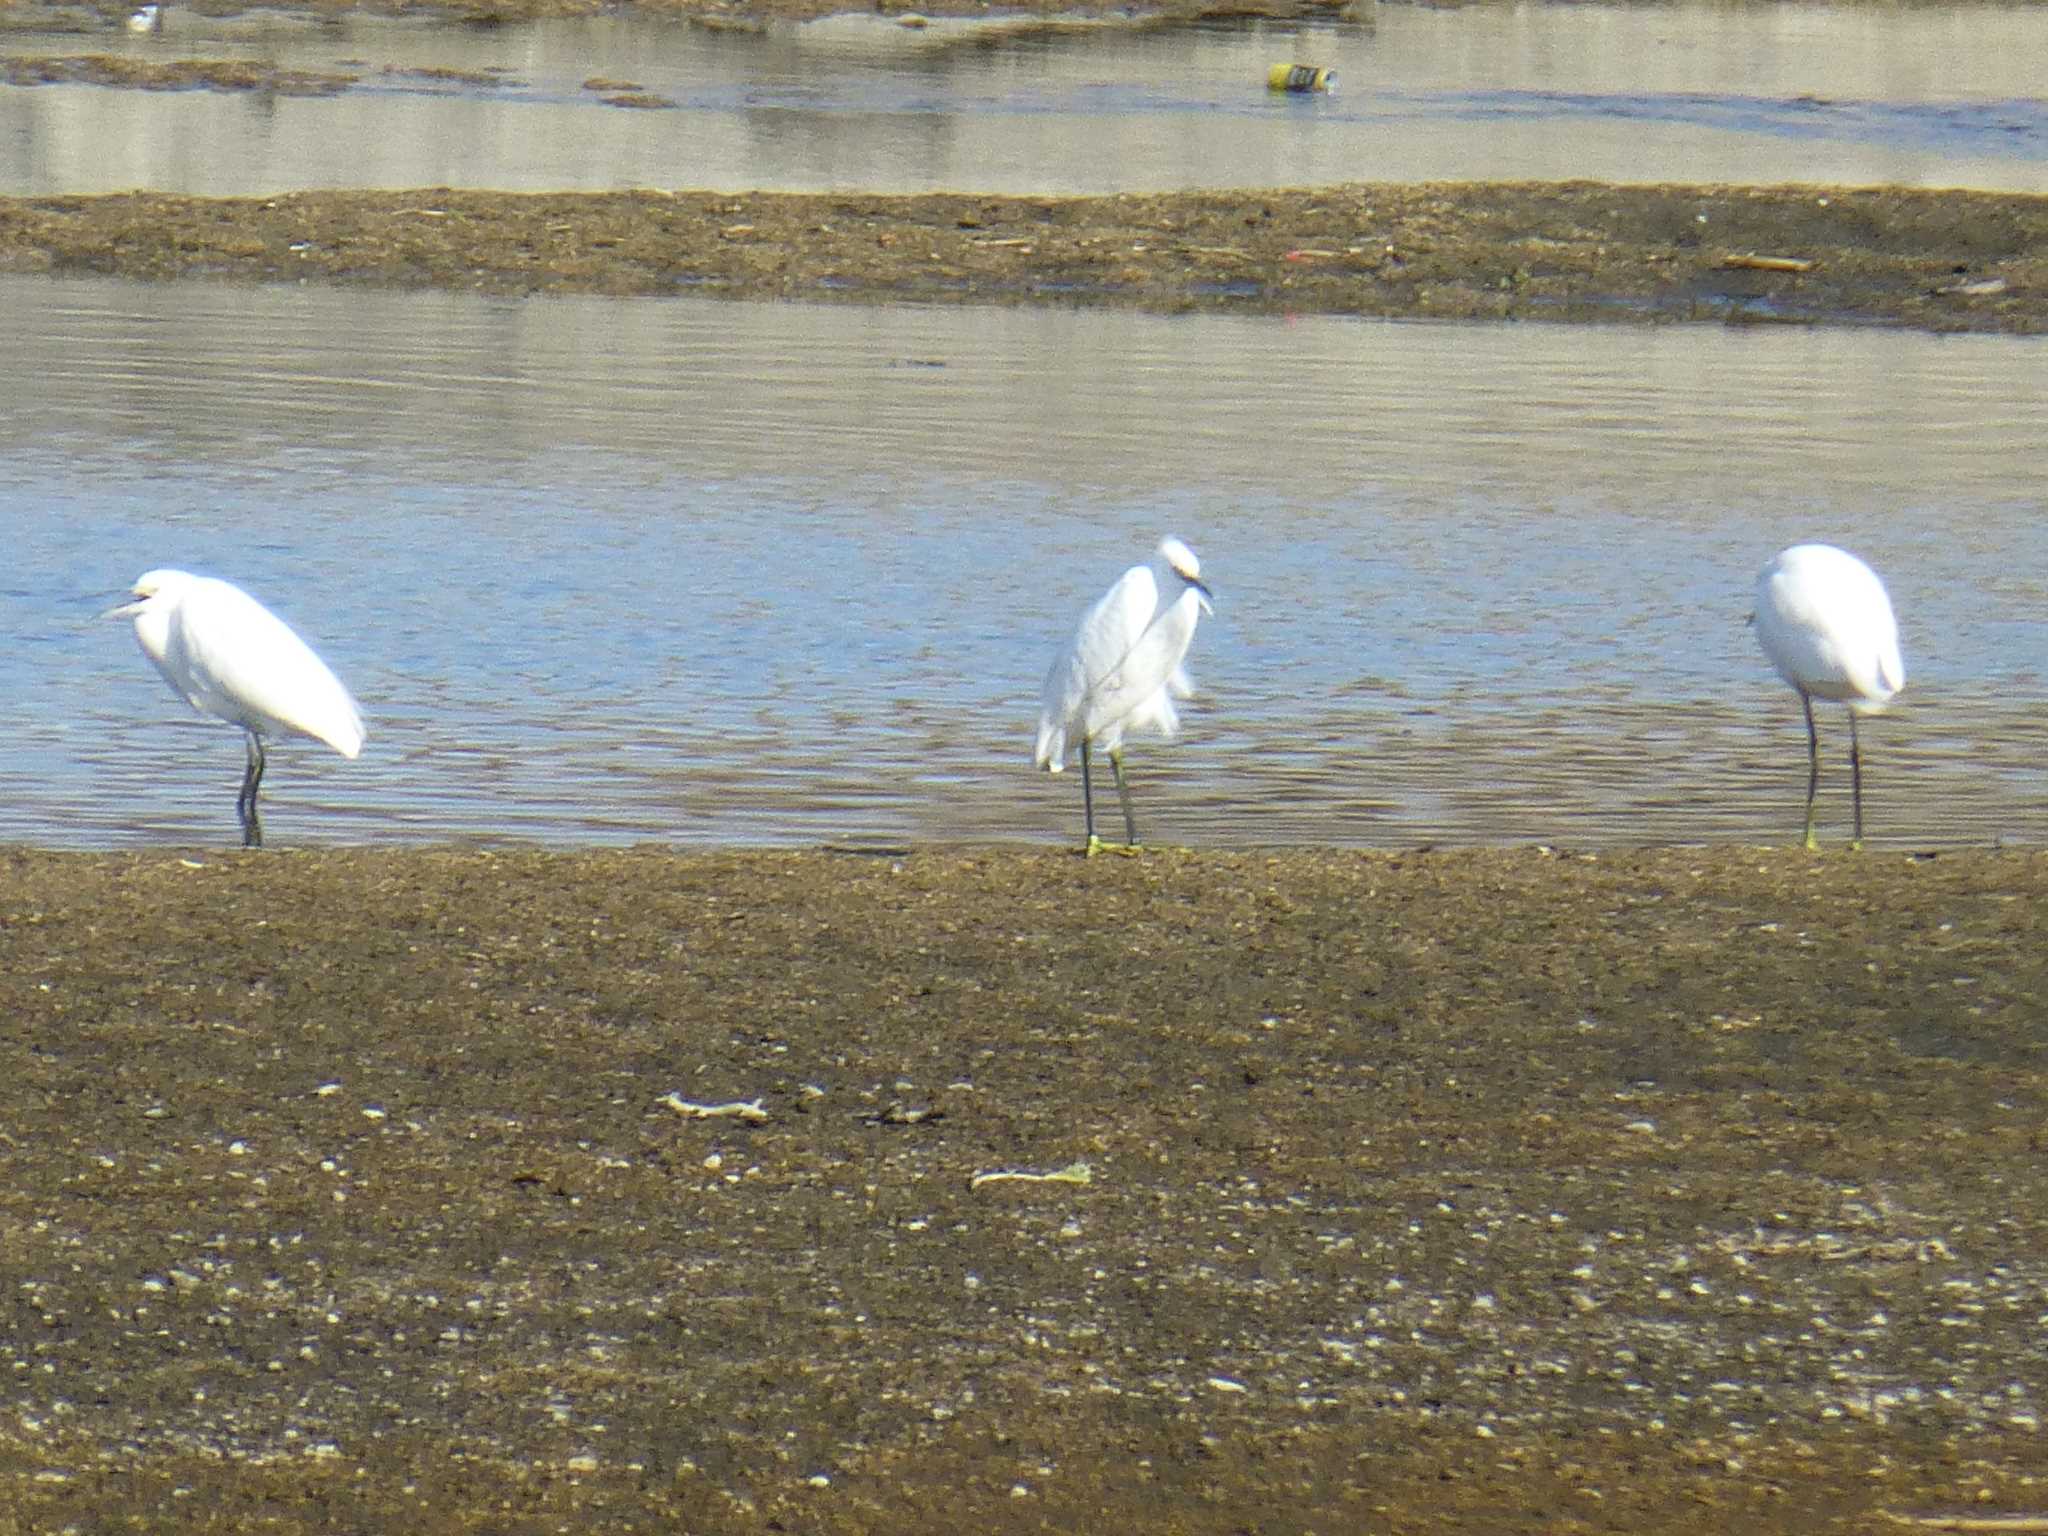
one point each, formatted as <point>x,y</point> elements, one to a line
<point>147,18</point>
<point>228,656</point>
<point>1824,621</point>
<point>1122,673</point>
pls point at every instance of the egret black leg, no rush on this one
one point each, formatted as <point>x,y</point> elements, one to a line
<point>1812,767</point>
<point>1123,794</point>
<point>245,802</point>
<point>1087,797</point>
<point>1856,778</point>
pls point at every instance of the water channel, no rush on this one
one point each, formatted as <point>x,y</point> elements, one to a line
<point>1943,95</point>
<point>605,571</point>
<point>698,571</point>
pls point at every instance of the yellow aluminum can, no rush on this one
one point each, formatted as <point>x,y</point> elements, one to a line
<point>1300,77</point>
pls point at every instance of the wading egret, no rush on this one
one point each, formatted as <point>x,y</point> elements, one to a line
<point>1122,673</point>
<point>228,656</point>
<point>1824,620</point>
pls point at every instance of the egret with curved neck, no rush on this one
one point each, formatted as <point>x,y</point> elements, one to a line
<point>1122,672</point>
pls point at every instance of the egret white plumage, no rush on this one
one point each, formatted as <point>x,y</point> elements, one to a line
<point>1121,673</point>
<point>228,656</point>
<point>1826,623</point>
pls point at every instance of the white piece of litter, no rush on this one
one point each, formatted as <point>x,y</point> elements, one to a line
<point>747,1109</point>
<point>1073,1173</point>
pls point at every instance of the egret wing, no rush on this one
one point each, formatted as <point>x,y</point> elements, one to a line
<point>234,658</point>
<point>1826,623</point>
<point>1107,633</point>
<point>1139,689</point>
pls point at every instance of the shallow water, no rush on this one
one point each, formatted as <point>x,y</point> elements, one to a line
<point>1943,95</point>
<point>707,572</point>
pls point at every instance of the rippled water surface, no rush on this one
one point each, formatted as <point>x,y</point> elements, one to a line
<point>710,572</point>
<point>1945,95</point>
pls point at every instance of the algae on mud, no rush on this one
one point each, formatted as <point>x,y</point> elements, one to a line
<point>1684,1190</point>
<point>1944,261</point>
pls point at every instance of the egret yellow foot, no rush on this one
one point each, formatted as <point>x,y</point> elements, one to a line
<point>1097,845</point>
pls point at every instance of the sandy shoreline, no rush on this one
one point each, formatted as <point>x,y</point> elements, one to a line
<point>1680,1190</point>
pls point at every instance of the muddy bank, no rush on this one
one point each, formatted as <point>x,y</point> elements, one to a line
<point>1945,261</point>
<point>1676,1190</point>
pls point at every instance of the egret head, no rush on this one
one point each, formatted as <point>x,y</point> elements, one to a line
<point>151,587</point>
<point>1182,562</point>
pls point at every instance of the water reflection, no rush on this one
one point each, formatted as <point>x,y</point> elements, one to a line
<point>1852,93</point>
<point>707,572</point>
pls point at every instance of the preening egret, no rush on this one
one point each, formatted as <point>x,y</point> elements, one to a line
<point>1824,620</point>
<point>228,656</point>
<point>1122,673</point>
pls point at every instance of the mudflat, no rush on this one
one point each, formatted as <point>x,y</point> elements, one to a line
<point>1930,260</point>
<point>999,1188</point>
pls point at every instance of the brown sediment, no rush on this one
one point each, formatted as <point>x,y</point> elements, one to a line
<point>441,74</point>
<point>235,75</point>
<point>1684,1190</point>
<point>1943,261</point>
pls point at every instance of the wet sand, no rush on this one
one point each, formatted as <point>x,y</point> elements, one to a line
<point>1680,1190</point>
<point>1943,261</point>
